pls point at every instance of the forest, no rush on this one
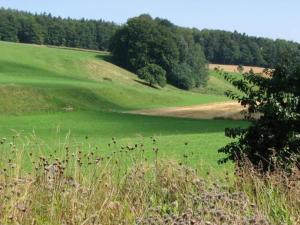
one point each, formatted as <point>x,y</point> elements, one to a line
<point>19,26</point>
<point>220,47</point>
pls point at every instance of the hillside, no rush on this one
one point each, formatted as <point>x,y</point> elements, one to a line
<point>38,78</point>
<point>49,93</point>
<point>145,122</point>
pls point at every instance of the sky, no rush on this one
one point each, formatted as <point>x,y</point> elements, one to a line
<point>264,18</point>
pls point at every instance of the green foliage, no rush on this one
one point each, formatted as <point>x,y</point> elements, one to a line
<point>153,74</point>
<point>144,40</point>
<point>222,47</point>
<point>182,76</point>
<point>45,29</point>
<point>272,140</point>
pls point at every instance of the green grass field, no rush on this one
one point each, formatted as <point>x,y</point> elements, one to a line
<point>50,92</point>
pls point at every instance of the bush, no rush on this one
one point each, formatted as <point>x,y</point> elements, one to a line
<point>153,74</point>
<point>272,140</point>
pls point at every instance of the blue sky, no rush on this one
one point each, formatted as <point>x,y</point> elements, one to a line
<point>266,18</point>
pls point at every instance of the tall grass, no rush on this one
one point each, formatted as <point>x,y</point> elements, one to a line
<point>85,187</point>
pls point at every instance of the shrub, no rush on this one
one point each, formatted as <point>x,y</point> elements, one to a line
<point>272,140</point>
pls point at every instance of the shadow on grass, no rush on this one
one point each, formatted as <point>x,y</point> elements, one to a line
<point>107,58</point>
<point>146,84</point>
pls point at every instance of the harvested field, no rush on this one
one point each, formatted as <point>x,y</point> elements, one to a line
<point>233,68</point>
<point>228,110</point>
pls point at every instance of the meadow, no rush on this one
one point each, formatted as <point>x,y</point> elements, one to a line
<point>72,153</point>
<point>50,93</point>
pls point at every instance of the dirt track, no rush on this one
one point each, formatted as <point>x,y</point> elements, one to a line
<point>230,110</point>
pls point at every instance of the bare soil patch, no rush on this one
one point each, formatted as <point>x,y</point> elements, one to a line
<point>228,110</point>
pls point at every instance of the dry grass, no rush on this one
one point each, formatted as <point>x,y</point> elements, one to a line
<point>233,68</point>
<point>228,110</point>
<point>86,188</point>
<point>100,70</point>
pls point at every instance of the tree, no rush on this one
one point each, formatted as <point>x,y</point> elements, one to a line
<point>183,76</point>
<point>144,41</point>
<point>272,140</point>
<point>153,74</point>
<point>8,28</point>
<point>19,26</point>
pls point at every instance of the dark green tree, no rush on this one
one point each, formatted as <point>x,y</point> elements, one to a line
<point>144,41</point>
<point>8,27</point>
<point>272,140</point>
<point>25,27</point>
<point>222,47</point>
<point>153,74</point>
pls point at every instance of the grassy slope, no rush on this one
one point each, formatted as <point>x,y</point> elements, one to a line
<point>51,79</point>
<point>37,83</point>
<point>217,85</point>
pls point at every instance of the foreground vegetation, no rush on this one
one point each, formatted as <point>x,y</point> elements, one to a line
<point>76,187</point>
<point>272,101</point>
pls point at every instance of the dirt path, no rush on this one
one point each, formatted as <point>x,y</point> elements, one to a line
<point>230,110</point>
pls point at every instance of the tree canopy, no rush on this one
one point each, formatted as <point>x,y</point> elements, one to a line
<point>224,47</point>
<point>18,26</point>
<point>144,40</point>
<point>153,74</point>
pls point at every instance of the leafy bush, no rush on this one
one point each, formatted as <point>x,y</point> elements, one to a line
<point>272,140</point>
<point>153,74</point>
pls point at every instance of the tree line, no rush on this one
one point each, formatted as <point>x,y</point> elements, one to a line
<point>220,47</point>
<point>224,47</point>
<point>19,26</point>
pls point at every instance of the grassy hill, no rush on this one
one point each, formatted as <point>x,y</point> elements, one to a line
<point>49,92</point>
<point>38,78</point>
